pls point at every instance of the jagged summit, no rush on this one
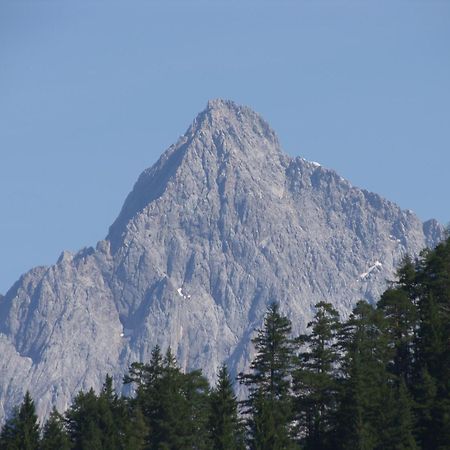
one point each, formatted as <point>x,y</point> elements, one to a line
<point>220,226</point>
<point>222,104</point>
<point>228,116</point>
<point>219,107</point>
<point>223,134</point>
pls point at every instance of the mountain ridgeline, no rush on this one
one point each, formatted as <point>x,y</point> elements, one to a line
<point>221,226</point>
<point>377,381</point>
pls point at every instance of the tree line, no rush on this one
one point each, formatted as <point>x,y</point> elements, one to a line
<point>378,380</point>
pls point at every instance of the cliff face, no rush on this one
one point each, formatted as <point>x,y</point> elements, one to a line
<point>221,225</point>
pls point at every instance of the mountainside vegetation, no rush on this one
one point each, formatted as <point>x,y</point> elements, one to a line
<point>378,380</point>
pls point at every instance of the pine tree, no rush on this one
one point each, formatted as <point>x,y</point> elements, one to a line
<point>135,431</point>
<point>166,406</point>
<point>111,415</point>
<point>355,431</point>
<point>399,435</point>
<point>367,384</point>
<point>224,425</point>
<point>147,380</point>
<point>82,422</point>
<point>174,404</point>
<point>9,437</point>
<point>407,277</point>
<point>21,431</point>
<point>196,392</point>
<point>425,392</point>
<point>315,379</point>
<point>434,308</point>
<point>54,435</point>
<point>269,404</point>
<point>401,323</point>
<point>265,430</point>
<point>432,347</point>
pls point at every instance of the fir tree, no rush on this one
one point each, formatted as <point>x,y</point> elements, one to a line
<point>433,349</point>
<point>407,278</point>
<point>224,425</point>
<point>425,392</point>
<point>401,323</point>
<point>269,404</point>
<point>315,379</point>
<point>166,407</point>
<point>135,431</point>
<point>21,431</point>
<point>54,435</point>
<point>366,386</point>
<point>111,416</point>
<point>174,404</point>
<point>265,430</point>
<point>400,434</point>
<point>147,380</point>
<point>82,422</point>
<point>196,391</point>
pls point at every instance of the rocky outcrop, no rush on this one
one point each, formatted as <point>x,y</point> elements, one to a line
<point>221,225</point>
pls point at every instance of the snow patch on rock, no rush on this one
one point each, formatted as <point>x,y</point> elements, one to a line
<point>376,265</point>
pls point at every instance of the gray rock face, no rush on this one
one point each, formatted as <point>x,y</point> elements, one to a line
<point>221,225</point>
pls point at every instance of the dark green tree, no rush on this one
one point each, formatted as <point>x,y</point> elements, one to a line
<point>111,414</point>
<point>407,277</point>
<point>401,323</point>
<point>425,392</point>
<point>225,428</point>
<point>196,394</point>
<point>174,404</point>
<point>135,431</point>
<point>54,435</point>
<point>366,384</point>
<point>315,383</point>
<point>82,422</point>
<point>147,378</point>
<point>432,347</point>
<point>169,428</point>
<point>98,422</point>
<point>21,431</point>
<point>399,434</point>
<point>433,278</point>
<point>269,405</point>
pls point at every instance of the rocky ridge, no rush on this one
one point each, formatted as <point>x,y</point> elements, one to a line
<point>221,225</point>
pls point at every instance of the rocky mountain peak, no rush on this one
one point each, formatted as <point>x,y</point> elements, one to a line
<point>221,225</point>
<point>229,117</point>
<point>244,131</point>
<point>224,135</point>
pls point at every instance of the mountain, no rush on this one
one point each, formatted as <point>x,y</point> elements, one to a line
<point>221,225</point>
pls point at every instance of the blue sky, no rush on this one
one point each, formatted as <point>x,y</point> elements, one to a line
<point>92,92</point>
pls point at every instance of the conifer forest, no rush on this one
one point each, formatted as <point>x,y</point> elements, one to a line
<point>378,380</point>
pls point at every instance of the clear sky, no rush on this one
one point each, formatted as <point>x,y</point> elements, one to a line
<point>92,92</point>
